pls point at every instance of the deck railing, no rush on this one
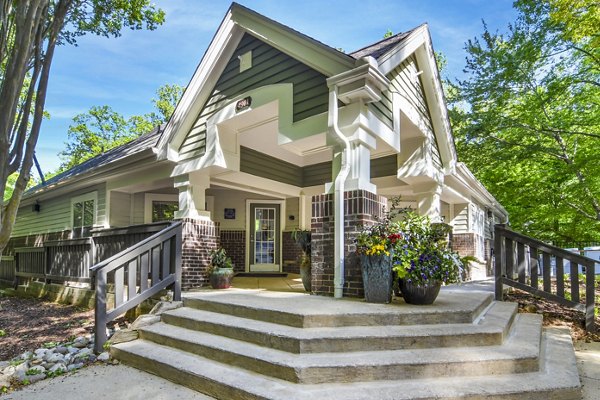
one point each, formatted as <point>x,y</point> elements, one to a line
<point>138,273</point>
<point>523,263</point>
<point>7,269</point>
<point>60,260</point>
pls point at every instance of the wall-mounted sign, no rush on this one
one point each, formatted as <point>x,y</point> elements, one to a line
<point>229,213</point>
<point>243,104</point>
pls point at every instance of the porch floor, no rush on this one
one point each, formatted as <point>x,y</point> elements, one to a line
<point>291,283</point>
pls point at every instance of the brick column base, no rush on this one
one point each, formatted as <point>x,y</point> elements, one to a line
<point>362,208</point>
<point>199,238</point>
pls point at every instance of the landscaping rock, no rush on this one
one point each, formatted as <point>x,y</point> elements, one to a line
<point>104,356</point>
<point>58,368</point>
<point>81,342</point>
<point>125,335</point>
<point>61,349</point>
<point>4,381</point>
<point>163,306</point>
<point>145,320</point>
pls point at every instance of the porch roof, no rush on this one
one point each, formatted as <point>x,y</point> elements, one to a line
<point>94,165</point>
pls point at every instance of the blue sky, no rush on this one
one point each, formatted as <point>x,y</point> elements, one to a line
<point>125,72</point>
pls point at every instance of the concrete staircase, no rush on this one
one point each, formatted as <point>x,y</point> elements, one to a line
<point>269,345</point>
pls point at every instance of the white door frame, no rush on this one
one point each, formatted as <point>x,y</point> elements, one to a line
<point>281,204</point>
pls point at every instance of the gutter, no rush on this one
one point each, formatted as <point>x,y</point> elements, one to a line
<point>339,233</point>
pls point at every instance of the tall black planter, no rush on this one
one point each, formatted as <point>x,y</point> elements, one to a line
<point>377,278</point>
<point>419,294</point>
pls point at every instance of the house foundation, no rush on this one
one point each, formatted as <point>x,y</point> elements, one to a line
<point>362,208</point>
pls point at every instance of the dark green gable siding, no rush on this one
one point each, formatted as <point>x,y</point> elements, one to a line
<point>260,164</point>
<point>269,66</point>
<point>403,82</point>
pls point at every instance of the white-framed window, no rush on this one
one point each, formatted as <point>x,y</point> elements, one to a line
<point>84,209</point>
<point>160,207</point>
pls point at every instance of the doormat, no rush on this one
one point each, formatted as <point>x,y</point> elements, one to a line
<point>262,274</point>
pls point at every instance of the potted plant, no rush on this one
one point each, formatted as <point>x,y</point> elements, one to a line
<point>422,259</point>
<point>220,271</point>
<point>302,239</point>
<point>375,246</point>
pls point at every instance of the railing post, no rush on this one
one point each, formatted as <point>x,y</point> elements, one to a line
<point>590,300</point>
<point>177,249</point>
<point>100,336</point>
<point>498,256</point>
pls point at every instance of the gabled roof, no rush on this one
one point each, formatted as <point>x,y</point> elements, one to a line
<point>378,49</point>
<point>139,145</point>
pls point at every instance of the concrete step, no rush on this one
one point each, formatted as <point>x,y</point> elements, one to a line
<point>518,354</point>
<point>490,329</point>
<point>306,311</point>
<point>556,379</point>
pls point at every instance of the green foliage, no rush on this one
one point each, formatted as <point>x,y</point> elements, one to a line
<point>219,259</point>
<point>302,239</point>
<point>101,128</point>
<point>527,120</point>
<point>2,333</point>
<point>30,32</point>
<point>421,253</point>
<point>379,239</point>
<point>388,34</point>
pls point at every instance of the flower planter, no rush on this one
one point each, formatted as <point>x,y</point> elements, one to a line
<point>220,278</point>
<point>306,272</point>
<point>419,294</point>
<point>377,277</point>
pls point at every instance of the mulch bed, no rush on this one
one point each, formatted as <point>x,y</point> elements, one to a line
<point>555,314</point>
<point>27,324</point>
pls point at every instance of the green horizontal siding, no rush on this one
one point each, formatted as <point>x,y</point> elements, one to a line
<point>265,166</point>
<point>55,214</point>
<point>402,81</point>
<point>269,66</point>
<point>260,164</point>
<point>384,166</point>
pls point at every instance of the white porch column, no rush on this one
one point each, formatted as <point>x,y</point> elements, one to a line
<point>192,197</point>
<point>429,200</point>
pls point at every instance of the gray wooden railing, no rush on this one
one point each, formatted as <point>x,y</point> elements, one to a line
<point>138,272</point>
<point>60,260</point>
<point>7,269</point>
<point>519,260</point>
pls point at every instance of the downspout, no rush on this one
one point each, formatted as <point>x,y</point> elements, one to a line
<point>338,253</point>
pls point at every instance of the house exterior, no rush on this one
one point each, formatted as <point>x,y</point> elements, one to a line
<point>276,132</point>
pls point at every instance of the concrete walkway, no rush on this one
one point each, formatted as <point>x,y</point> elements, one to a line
<point>99,382</point>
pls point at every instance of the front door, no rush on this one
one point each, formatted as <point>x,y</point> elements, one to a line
<point>264,237</point>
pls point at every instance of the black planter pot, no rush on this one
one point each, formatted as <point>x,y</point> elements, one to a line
<point>377,278</point>
<point>419,295</point>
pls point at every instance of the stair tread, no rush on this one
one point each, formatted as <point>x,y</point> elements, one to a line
<point>558,375</point>
<point>494,321</point>
<point>303,310</point>
<point>522,344</point>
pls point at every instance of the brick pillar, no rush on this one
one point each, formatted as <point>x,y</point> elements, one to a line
<point>199,238</point>
<point>362,208</point>
<point>234,243</point>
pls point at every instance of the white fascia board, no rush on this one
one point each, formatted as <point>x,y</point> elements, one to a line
<point>199,89</point>
<point>397,55</point>
<point>419,43</point>
<point>437,103</point>
<point>466,178</point>
<point>317,56</point>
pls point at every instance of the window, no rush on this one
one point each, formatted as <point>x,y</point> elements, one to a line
<point>83,210</point>
<point>160,207</point>
<point>164,210</point>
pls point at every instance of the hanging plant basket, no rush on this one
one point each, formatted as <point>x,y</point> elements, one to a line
<point>377,277</point>
<point>424,294</point>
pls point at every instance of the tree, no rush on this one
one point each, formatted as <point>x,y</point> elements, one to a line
<point>30,30</point>
<point>527,118</point>
<point>101,128</point>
